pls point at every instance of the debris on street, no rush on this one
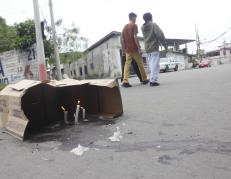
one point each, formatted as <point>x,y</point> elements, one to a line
<point>158,146</point>
<point>79,150</point>
<point>116,136</point>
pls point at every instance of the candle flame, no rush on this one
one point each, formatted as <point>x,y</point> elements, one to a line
<point>78,102</point>
<point>63,108</point>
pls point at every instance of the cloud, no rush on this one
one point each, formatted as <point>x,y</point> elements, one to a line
<point>98,18</point>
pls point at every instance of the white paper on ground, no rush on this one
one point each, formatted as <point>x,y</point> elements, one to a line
<point>116,136</point>
<point>79,150</point>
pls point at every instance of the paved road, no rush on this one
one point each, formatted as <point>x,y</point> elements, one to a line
<point>179,130</point>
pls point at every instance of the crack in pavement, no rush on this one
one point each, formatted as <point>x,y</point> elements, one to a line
<point>185,146</point>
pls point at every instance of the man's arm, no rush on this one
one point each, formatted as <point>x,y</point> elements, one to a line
<point>136,38</point>
<point>122,42</point>
<point>137,41</point>
<point>160,35</point>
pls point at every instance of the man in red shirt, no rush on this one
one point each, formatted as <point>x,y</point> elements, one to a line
<point>131,46</point>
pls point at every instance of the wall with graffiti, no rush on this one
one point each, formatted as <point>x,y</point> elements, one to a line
<point>16,65</point>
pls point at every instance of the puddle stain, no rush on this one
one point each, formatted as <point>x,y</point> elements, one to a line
<point>90,134</point>
<point>165,159</point>
<point>69,136</point>
<point>165,124</point>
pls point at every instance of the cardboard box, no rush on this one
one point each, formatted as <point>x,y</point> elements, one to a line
<point>31,104</point>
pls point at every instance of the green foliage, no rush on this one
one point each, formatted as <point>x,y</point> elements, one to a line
<point>22,36</point>
<point>71,41</point>
<point>69,57</point>
<point>7,36</point>
<point>2,86</point>
<point>48,48</point>
<point>25,35</point>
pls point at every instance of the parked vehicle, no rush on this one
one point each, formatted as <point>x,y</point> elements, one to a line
<point>170,64</point>
<point>204,64</point>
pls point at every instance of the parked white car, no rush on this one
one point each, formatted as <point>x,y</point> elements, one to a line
<point>171,64</point>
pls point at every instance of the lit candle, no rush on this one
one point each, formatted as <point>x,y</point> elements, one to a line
<point>65,115</point>
<point>77,113</point>
<point>83,112</point>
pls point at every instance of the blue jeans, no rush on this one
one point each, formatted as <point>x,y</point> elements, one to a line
<point>154,65</point>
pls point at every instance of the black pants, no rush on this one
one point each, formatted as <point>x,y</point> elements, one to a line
<point>135,68</point>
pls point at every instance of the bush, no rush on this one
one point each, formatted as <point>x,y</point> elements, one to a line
<point>2,86</point>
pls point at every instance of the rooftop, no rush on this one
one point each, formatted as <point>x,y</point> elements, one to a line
<point>170,42</point>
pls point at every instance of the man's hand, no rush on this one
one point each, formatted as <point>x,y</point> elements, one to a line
<point>139,51</point>
<point>166,48</point>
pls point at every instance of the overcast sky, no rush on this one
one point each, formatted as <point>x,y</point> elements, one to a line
<point>96,18</point>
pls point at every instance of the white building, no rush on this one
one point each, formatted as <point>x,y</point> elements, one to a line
<point>103,59</point>
<point>220,56</point>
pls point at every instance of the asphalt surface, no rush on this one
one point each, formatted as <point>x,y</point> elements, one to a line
<point>179,130</point>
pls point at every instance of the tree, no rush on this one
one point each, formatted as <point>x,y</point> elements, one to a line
<point>7,36</point>
<point>70,42</point>
<point>22,36</point>
<point>25,35</point>
<point>69,57</point>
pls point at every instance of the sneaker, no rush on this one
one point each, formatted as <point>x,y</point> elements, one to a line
<point>145,82</point>
<point>126,85</point>
<point>154,84</point>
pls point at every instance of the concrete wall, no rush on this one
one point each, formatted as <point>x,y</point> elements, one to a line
<point>16,65</point>
<point>218,60</point>
<point>225,55</point>
<point>223,58</point>
<point>103,61</point>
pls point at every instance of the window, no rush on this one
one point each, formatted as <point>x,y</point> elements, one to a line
<point>74,72</point>
<point>92,66</point>
<point>224,52</point>
<point>80,71</point>
<point>85,70</point>
<point>185,50</point>
<point>92,55</point>
<point>213,54</point>
<point>71,73</point>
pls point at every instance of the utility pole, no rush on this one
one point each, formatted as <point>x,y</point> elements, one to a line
<point>198,43</point>
<point>39,43</point>
<point>57,58</point>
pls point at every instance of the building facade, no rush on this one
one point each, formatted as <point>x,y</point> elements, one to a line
<point>220,56</point>
<point>103,59</point>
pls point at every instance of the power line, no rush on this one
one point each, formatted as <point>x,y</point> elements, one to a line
<point>217,37</point>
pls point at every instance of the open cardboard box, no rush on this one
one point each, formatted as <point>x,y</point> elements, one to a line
<point>32,104</point>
